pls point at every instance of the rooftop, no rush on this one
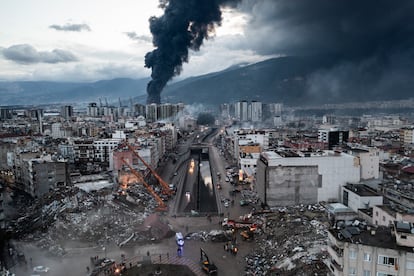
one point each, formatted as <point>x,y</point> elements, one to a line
<point>376,237</point>
<point>361,189</point>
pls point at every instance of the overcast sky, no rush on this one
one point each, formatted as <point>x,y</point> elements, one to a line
<point>371,41</point>
<point>88,40</point>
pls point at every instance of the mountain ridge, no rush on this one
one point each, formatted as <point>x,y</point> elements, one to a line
<point>286,80</point>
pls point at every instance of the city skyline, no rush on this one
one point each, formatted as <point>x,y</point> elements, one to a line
<point>366,47</point>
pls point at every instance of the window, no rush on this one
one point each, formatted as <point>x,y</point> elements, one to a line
<point>409,264</point>
<point>352,254</point>
<point>367,273</point>
<point>385,260</point>
<point>384,274</point>
<point>367,257</point>
<point>352,271</point>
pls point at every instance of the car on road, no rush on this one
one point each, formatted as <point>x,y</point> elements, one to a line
<point>226,204</point>
<point>172,187</point>
<point>175,174</point>
<point>41,269</point>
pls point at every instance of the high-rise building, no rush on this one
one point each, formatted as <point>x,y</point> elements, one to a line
<point>241,111</point>
<point>66,112</point>
<point>92,110</point>
<point>256,111</point>
<point>151,113</point>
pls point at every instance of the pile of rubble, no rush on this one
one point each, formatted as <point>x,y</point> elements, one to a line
<point>292,243</point>
<point>213,235</point>
<point>96,217</point>
<point>249,196</point>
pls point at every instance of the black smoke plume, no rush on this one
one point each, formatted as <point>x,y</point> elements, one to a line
<point>183,26</point>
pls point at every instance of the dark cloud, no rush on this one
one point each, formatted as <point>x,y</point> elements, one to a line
<point>350,28</point>
<point>134,36</point>
<point>370,43</point>
<point>71,27</point>
<point>27,54</point>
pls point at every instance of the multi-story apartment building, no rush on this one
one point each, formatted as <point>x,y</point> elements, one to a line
<point>371,251</point>
<point>151,113</point>
<point>332,136</point>
<point>43,173</point>
<point>92,110</point>
<point>84,150</point>
<point>241,111</point>
<point>385,215</point>
<point>287,178</point>
<point>103,149</point>
<point>67,112</point>
<point>368,159</point>
<point>407,135</point>
<point>256,112</point>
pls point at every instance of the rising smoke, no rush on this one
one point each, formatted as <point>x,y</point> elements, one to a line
<point>183,26</point>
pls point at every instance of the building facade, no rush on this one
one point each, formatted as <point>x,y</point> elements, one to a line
<point>329,172</point>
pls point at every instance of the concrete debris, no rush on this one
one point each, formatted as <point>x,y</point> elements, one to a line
<point>292,243</point>
<point>99,217</point>
<point>213,235</point>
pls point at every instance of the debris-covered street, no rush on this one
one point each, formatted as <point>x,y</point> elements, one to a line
<point>74,223</point>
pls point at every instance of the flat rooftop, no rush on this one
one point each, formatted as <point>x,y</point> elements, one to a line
<point>361,189</point>
<point>381,238</point>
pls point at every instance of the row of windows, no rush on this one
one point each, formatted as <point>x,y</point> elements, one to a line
<point>383,260</point>
<point>352,271</point>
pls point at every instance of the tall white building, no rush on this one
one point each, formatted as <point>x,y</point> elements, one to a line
<point>256,111</point>
<point>151,112</point>
<point>241,111</point>
<point>104,149</point>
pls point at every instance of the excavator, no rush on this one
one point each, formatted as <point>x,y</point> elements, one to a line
<point>165,188</point>
<point>206,265</point>
<point>161,205</point>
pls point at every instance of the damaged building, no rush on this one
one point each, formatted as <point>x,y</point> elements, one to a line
<point>41,174</point>
<point>290,178</point>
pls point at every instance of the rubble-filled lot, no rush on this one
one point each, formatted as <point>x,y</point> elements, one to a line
<point>292,243</point>
<point>94,218</point>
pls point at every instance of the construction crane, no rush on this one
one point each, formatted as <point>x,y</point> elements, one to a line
<point>165,188</point>
<point>161,205</point>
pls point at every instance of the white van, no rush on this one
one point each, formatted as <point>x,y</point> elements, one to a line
<point>179,239</point>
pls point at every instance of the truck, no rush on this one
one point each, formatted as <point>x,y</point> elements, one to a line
<point>229,223</point>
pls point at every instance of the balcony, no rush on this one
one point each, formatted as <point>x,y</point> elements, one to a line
<point>336,254</point>
<point>332,237</point>
<point>335,268</point>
